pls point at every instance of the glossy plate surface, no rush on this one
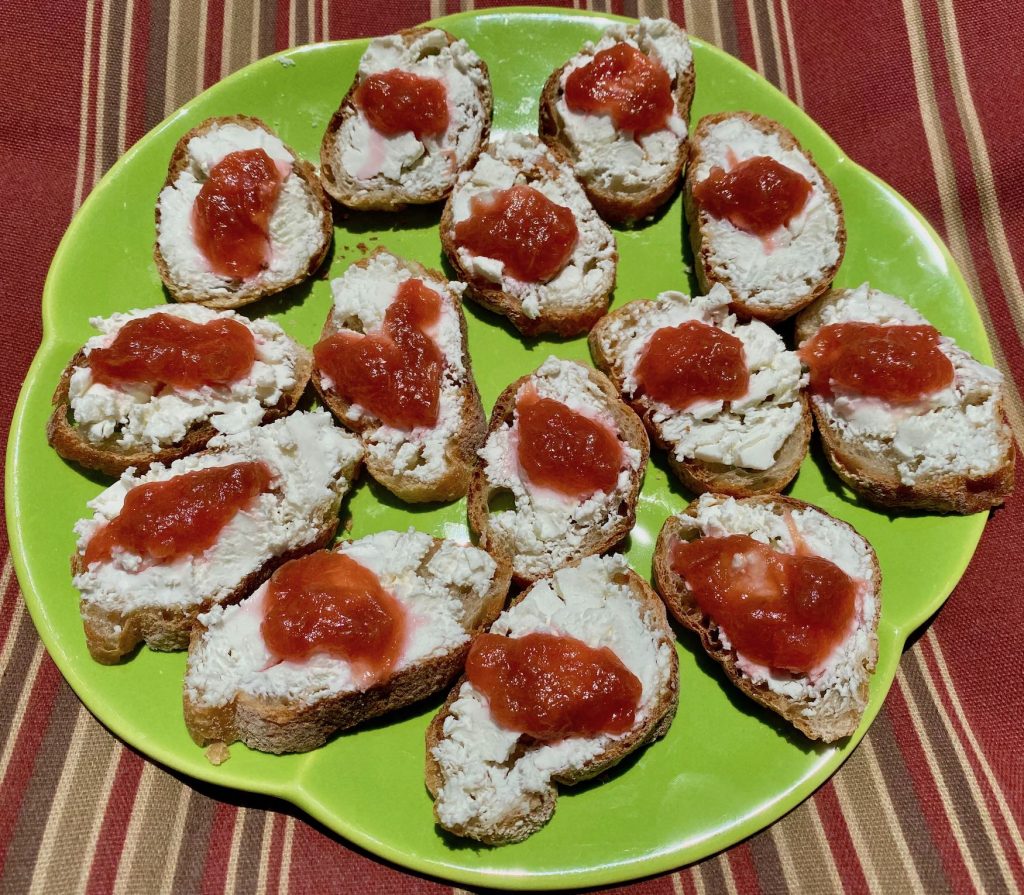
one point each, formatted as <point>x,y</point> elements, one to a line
<point>727,768</point>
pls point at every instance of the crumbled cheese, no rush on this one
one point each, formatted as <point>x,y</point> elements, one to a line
<point>521,159</point>
<point>232,658</point>
<point>295,228</point>
<point>312,461</point>
<point>546,529</point>
<point>483,785</point>
<point>801,251</point>
<point>132,416</point>
<point>958,431</point>
<point>362,296</point>
<point>748,432</point>
<point>613,160</point>
<point>374,162</point>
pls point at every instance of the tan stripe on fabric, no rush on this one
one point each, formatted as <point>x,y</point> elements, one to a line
<point>990,214</point>
<point>314,35</point>
<point>794,60</point>
<point>175,836</point>
<point>186,57</point>
<point>773,30</point>
<point>83,107</point>
<point>803,849</point>
<point>956,231</point>
<point>701,21</point>
<point>653,9</point>
<point>28,684</point>
<point>325,20</point>
<point>231,881</point>
<point>965,728</point>
<point>439,8</point>
<point>126,56</point>
<point>285,877</point>
<point>16,598</point>
<point>266,842</point>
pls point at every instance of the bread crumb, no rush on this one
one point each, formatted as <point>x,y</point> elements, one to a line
<point>217,753</point>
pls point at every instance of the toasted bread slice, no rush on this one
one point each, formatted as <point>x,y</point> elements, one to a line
<point>130,599</point>
<point>234,690</point>
<point>773,278</point>
<point>368,171</point>
<point>422,464</point>
<point>626,179</point>
<point>300,227</point>
<point>749,446</point>
<point>542,531</point>
<point>496,786</point>
<point>111,429</point>
<point>829,705</point>
<point>952,453</point>
<point>573,300</point>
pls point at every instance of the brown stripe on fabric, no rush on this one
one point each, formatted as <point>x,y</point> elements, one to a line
<point>100,107</point>
<point>629,8</point>
<point>16,682</point>
<point>186,64</point>
<point>794,57</point>
<point>47,766</point>
<point>766,859</point>
<point>188,874</point>
<point>268,29</point>
<point>803,850</point>
<point>951,779</point>
<point>265,852</point>
<point>949,197</point>
<point>175,834</point>
<point>83,108</point>
<point>156,62</point>
<point>231,869</point>
<point>701,21</point>
<point>285,874</point>
<point>300,12</point>
<point>655,9</point>
<point>126,56</point>
<point>761,33</point>
<point>712,875</point>
<point>236,49</point>
<point>114,79</point>
<point>726,18</point>
<point>248,850</point>
<point>11,599</point>
<point>776,45</point>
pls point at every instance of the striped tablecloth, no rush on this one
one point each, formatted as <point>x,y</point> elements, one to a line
<point>926,93</point>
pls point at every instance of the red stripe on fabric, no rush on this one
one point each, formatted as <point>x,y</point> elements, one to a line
<point>371,20</point>
<point>215,871</point>
<point>214,33</point>
<point>135,115</point>
<point>744,35</point>
<point>686,880</point>
<point>677,12</point>
<point>907,737</point>
<point>26,747</point>
<point>840,843</point>
<point>281,25</point>
<point>110,843</point>
<point>741,863</point>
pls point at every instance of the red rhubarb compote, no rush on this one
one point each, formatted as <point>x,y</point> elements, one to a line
<point>780,610</point>
<point>164,350</point>
<point>532,236</point>
<point>563,450</point>
<point>396,102</point>
<point>896,364</point>
<point>550,686</point>
<point>329,603</point>
<point>757,195</point>
<point>682,365</point>
<point>182,516</point>
<point>622,82</point>
<point>395,374</point>
<point>231,215</point>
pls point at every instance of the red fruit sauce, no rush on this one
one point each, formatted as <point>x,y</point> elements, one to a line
<point>396,102</point>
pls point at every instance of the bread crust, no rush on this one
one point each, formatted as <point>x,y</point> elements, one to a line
<point>595,542</point>
<point>820,725</point>
<point>111,459</point>
<point>345,190</point>
<point>538,809</point>
<point>698,475</point>
<point>697,220</point>
<point>617,207</point>
<point>460,452</point>
<point>279,725</point>
<point>560,322</point>
<point>875,478</point>
<point>243,294</point>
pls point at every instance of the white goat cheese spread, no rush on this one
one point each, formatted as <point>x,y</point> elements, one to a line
<point>312,461</point>
<point>295,228</point>
<point>134,416</point>
<point>232,657</point>
<point>482,786</point>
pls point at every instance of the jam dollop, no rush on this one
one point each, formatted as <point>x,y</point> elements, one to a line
<point>780,610</point>
<point>897,364</point>
<point>231,214</point>
<point>394,374</point>
<point>757,195</point>
<point>163,350</point>
<point>329,603</point>
<point>521,227</point>
<point>396,102</point>
<point>563,450</point>
<point>550,686</point>
<point>692,362</point>
<point>181,516</point>
<point>626,84</point>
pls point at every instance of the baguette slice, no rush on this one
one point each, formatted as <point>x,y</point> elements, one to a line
<point>573,300</point>
<point>423,464</point>
<point>128,600</point>
<point>541,531</point>
<point>625,179</point>
<point>753,446</point>
<point>300,228</point>
<point>770,279</point>
<point>234,690</point>
<point>831,706</point>
<point>112,429</point>
<point>954,453</point>
<point>366,171</point>
<point>495,786</point>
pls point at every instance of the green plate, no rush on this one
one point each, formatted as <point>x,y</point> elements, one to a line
<point>727,768</point>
